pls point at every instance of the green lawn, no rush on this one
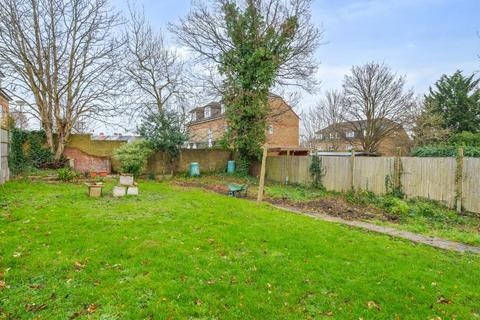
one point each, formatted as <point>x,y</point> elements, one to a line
<point>175,253</point>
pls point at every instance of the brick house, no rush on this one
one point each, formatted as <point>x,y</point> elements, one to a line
<point>208,125</point>
<point>4,104</point>
<point>346,136</point>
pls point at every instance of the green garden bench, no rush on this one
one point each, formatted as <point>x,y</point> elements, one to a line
<point>236,190</point>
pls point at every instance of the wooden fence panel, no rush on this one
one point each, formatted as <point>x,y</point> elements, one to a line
<point>275,169</point>
<point>431,178</point>
<point>471,184</point>
<point>338,173</point>
<point>371,173</point>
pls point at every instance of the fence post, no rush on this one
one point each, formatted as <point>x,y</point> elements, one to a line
<point>459,180</point>
<point>262,174</point>
<point>397,174</point>
<point>352,170</point>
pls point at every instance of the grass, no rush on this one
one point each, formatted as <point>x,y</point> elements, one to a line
<point>175,253</point>
<point>416,215</point>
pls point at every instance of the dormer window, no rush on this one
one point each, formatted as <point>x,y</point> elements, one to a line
<point>208,112</point>
<point>350,134</point>
<point>270,129</point>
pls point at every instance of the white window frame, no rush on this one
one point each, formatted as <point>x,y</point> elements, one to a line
<point>350,134</point>
<point>208,112</point>
<point>270,129</point>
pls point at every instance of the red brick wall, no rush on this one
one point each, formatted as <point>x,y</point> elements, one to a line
<point>83,162</point>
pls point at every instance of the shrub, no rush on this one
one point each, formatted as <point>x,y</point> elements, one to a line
<point>66,174</point>
<point>467,139</point>
<point>361,197</point>
<point>396,206</point>
<point>133,157</point>
<point>445,151</point>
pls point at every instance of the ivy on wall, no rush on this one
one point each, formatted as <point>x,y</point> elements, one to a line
<point>28,149</point>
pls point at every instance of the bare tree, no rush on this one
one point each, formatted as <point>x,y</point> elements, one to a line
<point>328,112</point>
<point>376,103</point>
<point>62,54</point>
<point>204,31</point>
<point>156,72</point>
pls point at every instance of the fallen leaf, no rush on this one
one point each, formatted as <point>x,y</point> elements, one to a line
<point>78,266</point>
<point>373,305</point>
<point>17,254</point>
<point>35,286</point>
<point>443,300</point>
<point>198,302</point>
<point>92,308</point>
<point>328,314</point>
<point>34,308</point>
<point>2,284</point>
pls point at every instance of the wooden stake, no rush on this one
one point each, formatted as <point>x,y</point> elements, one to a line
<point>261,185</point>
<point>459,180</point>
<point>352,170</point>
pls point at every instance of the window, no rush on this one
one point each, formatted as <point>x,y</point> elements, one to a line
<point>270,129</point>
<point>364,133</point>
<point>222,108</point>
<point>350,134</point>
<point>208,112</point>
<point>320,136</point>
<point>194,116</point>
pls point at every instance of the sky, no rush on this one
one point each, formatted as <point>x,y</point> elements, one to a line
<point>418,39</point>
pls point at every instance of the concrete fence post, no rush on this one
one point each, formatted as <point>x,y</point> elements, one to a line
<point>459,180</point>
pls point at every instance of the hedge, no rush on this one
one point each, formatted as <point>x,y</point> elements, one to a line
<point>445,151</point>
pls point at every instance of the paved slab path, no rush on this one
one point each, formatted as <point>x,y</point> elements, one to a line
<point>431,241</point>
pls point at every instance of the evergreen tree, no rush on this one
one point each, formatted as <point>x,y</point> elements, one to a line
<point>457,99</point>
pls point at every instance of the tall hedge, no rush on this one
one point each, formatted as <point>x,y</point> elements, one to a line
<point>445,151</point>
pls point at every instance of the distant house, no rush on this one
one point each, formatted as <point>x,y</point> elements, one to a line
<point>208,125</point>
<point>4,104</point>
<point>347,136</point>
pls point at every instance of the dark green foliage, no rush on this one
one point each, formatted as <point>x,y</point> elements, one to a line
<point>444,151</point>
<point>17,160</point>
<point>457,99</point>
<point>250,68</point>
<point>163,132</point>
<point>317,172</point>
<point>28,149</point>
<point>466,139</point>
<point>40,155</point>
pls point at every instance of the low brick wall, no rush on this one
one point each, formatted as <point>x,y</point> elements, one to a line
<point>91,155</point>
